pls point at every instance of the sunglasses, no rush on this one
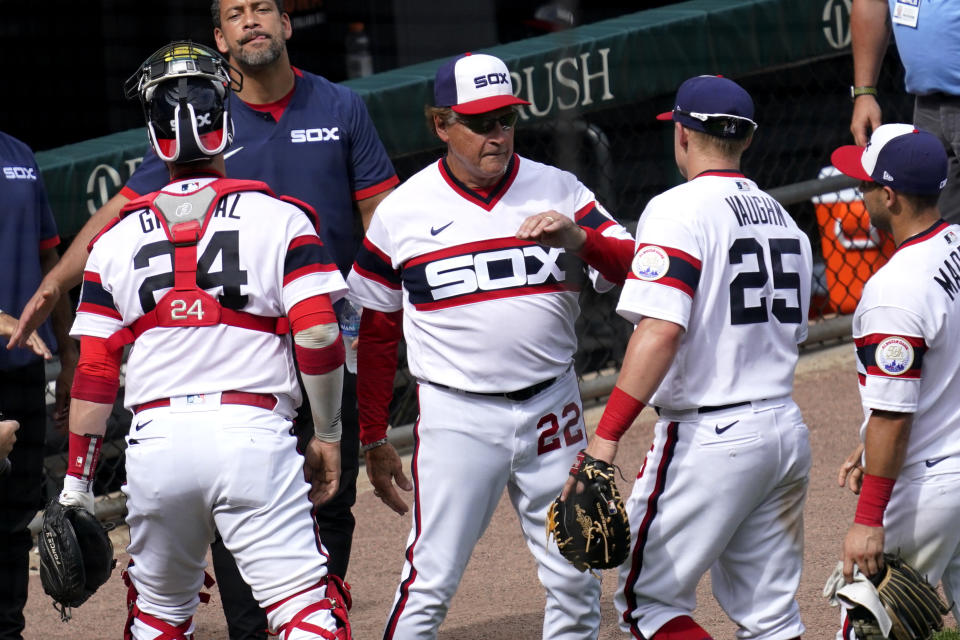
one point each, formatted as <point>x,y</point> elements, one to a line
<point>485,124</point>
<point>722,125</point>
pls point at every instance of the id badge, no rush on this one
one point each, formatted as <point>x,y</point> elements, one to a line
<point>195,402</point>
<point>907,13</point>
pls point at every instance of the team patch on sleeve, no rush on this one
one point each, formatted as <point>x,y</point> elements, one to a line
<point>891,356</point>
<point>590,216</point>
<point>306,254</point>
<point>374,264</point>
<point>667,266</point>
<point>95,299</point>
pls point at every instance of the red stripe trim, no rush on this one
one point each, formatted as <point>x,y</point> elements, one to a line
<point>924,235</point>
<point>910,374</point>
<point>380,187</point>
<point>500,188</point>
<point>636,557</point>
<point>377,251</point>
<point>404,588</point>
<point>877,338</point>
<point>92,276</point>
<point>308,269</point>
<point>673,283</point>
<point>584,210</point>
<point>862,379</point>
<point>49,243</point>
<point>723,173</point>
<point>496,295</point>
<point>470,247</point>
<point>99,310</point>
<point>375,277</point>
<point>674,253</point>
<point>301,241</point>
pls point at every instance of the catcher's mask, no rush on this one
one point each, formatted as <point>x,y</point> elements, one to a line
<point>184,89</point>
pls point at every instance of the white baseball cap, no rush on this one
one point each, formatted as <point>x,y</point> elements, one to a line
<point>474,83</point>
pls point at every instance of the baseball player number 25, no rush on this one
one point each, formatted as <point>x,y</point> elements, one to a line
<point>783,280</point>
<point>549,439</point>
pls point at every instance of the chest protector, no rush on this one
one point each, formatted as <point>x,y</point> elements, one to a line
<point>185,219</point>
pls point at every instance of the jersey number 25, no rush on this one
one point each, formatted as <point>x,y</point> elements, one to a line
<point>740,313</point>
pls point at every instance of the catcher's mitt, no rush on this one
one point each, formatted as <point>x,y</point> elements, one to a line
<point>915,608</point>
<point>591,528</point>
<point>76,555</point>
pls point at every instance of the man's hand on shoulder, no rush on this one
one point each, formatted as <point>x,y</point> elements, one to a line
<point>552,229</point>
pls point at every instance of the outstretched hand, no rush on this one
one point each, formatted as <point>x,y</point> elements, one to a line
<point>8,327</point>
<point>552,229</point>
<point>38,308</point>
<point>383,468</point>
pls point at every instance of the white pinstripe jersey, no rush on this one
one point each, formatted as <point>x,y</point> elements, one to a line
<point>907,334</point>
<point>723,259</point>
<point>483,311</point>
<point>258,254</point>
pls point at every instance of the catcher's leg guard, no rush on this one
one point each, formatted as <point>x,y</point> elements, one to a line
<point>166,630</point>
<point>301,625</point>
<point>681,628</point>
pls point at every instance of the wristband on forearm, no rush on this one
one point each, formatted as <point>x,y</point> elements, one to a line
<point>622,409</point>
<point>373,445</point>
<point>84,454</point>
<point>874,495</point>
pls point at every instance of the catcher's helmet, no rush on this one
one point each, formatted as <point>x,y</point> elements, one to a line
<point>184,89</point>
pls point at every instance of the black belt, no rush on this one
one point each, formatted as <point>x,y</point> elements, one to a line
<point>719,407</point>
<point>520,395</point>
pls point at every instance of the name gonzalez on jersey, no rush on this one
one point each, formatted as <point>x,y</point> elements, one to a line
<point>318,134</point>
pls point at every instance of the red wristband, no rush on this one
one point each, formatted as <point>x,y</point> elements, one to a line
<point>84,452</point>
<point>622,409</point>
<point>874,495</point>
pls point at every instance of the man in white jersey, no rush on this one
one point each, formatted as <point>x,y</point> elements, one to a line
<point>488,318</point>
<point>206,278</point>
<point>719,290</point>
<point>907,334</point>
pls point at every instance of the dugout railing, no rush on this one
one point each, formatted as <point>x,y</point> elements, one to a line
<point>595,92</point>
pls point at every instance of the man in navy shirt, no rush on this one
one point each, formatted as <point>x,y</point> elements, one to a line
<point>28,240</point>
<point>308,138</point>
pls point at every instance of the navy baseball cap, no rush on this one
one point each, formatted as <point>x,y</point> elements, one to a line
<point>714,105</point>
<point>898,156</point>
<point>474,83</point>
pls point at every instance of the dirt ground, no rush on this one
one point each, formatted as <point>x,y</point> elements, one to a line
<point>500,597</point>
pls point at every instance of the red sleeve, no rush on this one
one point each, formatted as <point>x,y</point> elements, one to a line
<point>97,378</point>
<point>610,256</point>
<point>379,338</point>
<point>310,313</point>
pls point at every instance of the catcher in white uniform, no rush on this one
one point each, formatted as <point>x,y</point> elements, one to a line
<point>719,290</point>
<point>205,278</point>
<point>488,317</point>
<point>907,334</point>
